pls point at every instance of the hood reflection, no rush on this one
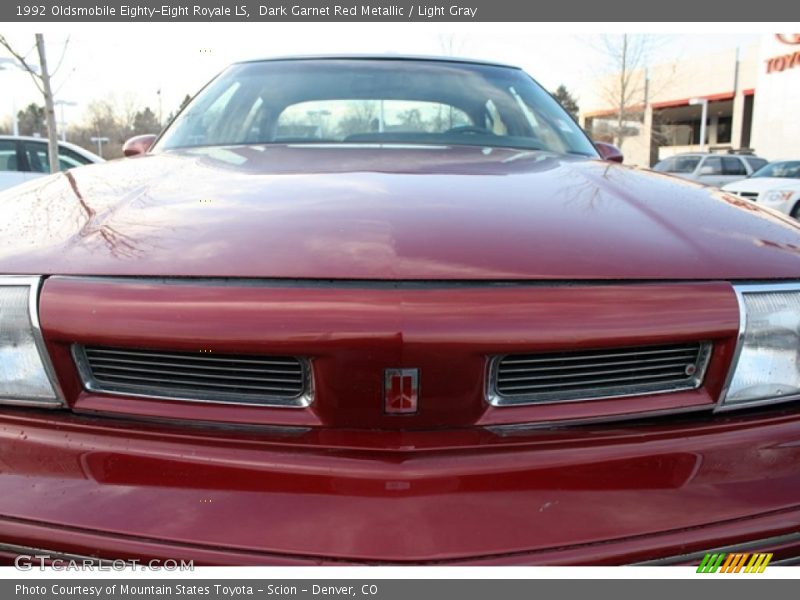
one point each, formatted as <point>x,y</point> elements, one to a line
<point>385,212</point>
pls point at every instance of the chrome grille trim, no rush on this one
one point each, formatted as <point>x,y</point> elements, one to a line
<point>269,381</point>
<point>520,379</point>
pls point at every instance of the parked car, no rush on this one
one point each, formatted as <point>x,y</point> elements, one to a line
<point>776,185</point>
<point>25,158</point>
<point>393,310</point>
<point>710,169</point>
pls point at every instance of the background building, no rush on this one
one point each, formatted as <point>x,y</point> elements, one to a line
<point>752,95</point>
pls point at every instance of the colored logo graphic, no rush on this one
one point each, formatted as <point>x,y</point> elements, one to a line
<point>734,563</point>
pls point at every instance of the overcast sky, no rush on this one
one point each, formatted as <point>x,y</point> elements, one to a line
<point>133,61</point>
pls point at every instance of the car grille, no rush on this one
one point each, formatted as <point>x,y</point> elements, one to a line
<point>592,374</point>
<point>749,195</point>
<point>259,380</point>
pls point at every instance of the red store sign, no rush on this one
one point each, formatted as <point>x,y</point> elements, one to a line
<point>777,64</point>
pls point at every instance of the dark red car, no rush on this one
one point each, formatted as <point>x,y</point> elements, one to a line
<point>393,311</point>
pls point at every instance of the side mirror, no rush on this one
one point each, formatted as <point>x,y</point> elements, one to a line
<point>708,170</point>
<point>609,152</point>
<point>138,145</point>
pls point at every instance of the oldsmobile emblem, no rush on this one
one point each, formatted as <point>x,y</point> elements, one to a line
<point>400,391</point>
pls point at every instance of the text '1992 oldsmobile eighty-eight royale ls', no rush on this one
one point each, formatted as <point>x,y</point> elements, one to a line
<point>393,310</point>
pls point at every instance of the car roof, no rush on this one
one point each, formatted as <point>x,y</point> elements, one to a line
<point>387,57</point>
<point>32,138</point>
<point>684,155</point>
<point>703,154</point>
<point>24,138</point>
<point>79,149</point>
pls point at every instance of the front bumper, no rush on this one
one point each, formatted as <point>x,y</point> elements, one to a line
<point>587,495</point>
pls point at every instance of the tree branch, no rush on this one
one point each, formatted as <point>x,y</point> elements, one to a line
<point>21,59</point>
<point>61,59</point>
<point>57,91</point>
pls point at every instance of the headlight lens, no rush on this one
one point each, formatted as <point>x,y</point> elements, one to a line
<point>24,366</point>
<point>768,366</point>
<point>777,196</point>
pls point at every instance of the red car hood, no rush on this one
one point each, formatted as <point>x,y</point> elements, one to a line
<point>328,212</point>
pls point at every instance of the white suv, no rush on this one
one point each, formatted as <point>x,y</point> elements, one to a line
<point>710,169</point>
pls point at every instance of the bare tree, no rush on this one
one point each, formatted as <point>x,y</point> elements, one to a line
<point>102,119</point>
<point>115,120</point>
<point>627,56</point>
<point>362,117</point>
<point>125,107</point>
<point>42,79</point>
<point>451,44</point>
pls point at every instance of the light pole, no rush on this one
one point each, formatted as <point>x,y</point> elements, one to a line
<point>704,117</point>
<point>63,123</point>
<point>160,119</point>
<point>99,141</point>
<point>318,118</point>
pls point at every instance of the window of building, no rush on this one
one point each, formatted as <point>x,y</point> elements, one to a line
<point>724,126</point>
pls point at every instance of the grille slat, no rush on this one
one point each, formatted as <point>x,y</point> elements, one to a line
<point>600,373</point>
<point>112,371</point>
<point>111,362</point>
<point>587,382</point>
<point>268,381</point>
<point>588,356</point>
<point>669,370</point>
<point>194,357</point>
<point>581,366</point>
<point>190,383</point>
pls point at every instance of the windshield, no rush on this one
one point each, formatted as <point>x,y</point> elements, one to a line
<point>678,164</point>
<point>789,169</point>
<point>338,101</point>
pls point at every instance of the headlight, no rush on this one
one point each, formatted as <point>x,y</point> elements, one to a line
<point>767,366</point>
<point>778,196</point>
<point>25,371</point>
